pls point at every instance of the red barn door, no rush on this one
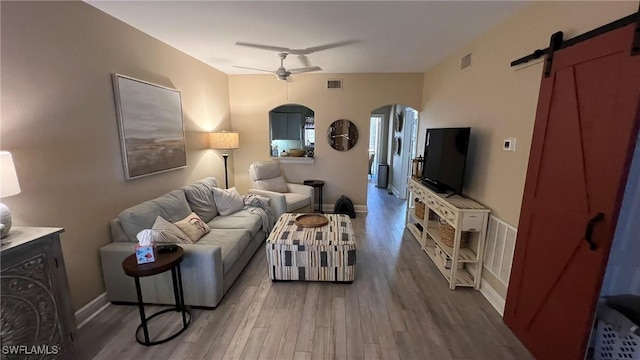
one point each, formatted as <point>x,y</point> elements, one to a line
<point>585,129</point>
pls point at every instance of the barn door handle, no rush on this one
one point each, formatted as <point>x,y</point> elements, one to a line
<point>589,230</point>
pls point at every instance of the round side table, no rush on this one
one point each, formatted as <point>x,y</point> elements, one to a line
<point>316,184</point>
<point>164,262</point>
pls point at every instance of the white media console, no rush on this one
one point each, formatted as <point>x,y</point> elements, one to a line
<point>461,264</point>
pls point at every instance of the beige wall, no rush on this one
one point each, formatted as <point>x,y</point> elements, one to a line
<point>59,121</point>
<point>345,173</point>
<point>498,101</point>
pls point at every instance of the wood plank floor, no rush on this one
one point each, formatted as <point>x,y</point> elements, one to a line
<point>399,307</point>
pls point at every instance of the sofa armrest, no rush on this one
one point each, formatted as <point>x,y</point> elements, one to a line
<point>278,201</point>
<point>117,231</point>
<point>304,190</point>
<point>201,269</point>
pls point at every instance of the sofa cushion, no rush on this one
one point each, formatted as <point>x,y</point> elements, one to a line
<point>193,226</point>
<point>172,206</point>
<point>239,220</point>
<point>232,242</point>
<point>200,198</point>
<point>296,201</point>
<point>228,201</point>
<point>277,184</point>
<point>169,233</point>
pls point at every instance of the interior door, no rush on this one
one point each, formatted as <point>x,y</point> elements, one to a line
<point>585,130</point>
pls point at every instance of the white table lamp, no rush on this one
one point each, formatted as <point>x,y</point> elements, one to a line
<point>224,140</point>
<point>9,186</point>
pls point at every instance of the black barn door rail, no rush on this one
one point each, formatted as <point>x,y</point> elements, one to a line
<point>556,43</point>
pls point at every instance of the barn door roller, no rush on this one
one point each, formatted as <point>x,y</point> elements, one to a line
<point>556,43</point>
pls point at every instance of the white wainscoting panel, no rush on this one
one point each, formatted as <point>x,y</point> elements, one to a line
<point>498,255</point>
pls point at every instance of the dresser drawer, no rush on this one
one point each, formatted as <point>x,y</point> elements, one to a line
<point>472,221</point>
<point>447,213</point>
<point>432,203</point>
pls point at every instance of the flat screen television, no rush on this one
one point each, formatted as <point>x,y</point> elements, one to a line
<point>445,157</point>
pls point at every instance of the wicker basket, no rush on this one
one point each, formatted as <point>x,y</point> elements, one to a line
<point>419,209</point>
<point>448,233</point>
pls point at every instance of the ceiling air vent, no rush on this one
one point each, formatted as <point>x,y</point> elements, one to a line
<point>335,84</point>
<point>465,62</point>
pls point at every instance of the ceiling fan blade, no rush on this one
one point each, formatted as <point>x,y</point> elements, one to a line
<point>249,68</point>
<point>265,47</point>
<point>304,60</point>
<point>306,51</point>
<point>304,70</point>
<point>313,49</point>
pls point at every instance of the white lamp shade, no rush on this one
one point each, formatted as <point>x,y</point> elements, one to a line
<point>9,184</point>
<point>224,140</point>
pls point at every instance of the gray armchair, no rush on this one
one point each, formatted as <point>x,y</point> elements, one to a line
<point>285,197</point>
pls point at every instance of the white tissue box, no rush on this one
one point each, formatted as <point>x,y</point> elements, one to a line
<point>145,254</point>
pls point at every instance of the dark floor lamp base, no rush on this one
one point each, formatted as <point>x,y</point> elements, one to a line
<point>226,176</point>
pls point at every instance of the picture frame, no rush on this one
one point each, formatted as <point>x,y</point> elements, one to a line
<point>151,127</point>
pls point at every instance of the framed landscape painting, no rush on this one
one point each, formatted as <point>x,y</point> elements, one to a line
<point>151,127</point>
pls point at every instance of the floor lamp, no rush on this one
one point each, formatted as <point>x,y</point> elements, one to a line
<point>224,140</point>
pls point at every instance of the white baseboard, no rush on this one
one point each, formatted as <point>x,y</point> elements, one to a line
<point>328,208</point>
<point>492,296</point>
<point>92,309</point>
<point>361,208</point>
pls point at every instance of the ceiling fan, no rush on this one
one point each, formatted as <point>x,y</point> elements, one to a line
<point>282,73</point>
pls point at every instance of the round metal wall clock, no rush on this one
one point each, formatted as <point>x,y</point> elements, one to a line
<point>342,135</point>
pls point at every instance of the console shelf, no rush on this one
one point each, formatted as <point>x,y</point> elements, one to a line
<point>460,264</point>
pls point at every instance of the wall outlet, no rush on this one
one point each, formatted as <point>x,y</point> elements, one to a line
<point>509,144</point>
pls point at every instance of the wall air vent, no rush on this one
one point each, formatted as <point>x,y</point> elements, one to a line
<point>465,62</point>
<point>334,84</point>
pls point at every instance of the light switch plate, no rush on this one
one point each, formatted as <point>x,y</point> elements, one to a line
<point>509,144</point>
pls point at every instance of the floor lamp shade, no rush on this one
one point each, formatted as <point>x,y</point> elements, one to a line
<point>9,186</point>
<point>224,140</point>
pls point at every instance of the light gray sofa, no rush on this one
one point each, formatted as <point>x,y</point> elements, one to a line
<point>210,266</point>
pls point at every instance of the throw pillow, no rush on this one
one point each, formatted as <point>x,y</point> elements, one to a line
<point>228,201</point>
<point>166,232</point>
<point>200,198</point>
<point>193,226</point>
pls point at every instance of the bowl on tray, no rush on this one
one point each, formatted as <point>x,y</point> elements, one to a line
<point>297,152</point>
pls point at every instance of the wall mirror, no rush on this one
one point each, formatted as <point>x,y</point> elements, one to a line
<point>342,135</point>
<point>292,131</point>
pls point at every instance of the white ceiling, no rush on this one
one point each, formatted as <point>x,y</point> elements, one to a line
<point>391,36</point>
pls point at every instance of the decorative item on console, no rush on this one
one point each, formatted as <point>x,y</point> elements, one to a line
<point>416,167</point>
<point>9,186</point>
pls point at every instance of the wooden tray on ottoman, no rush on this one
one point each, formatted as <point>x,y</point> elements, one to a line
<point>311,220</point>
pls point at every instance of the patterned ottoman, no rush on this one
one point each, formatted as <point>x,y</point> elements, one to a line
<point>325,253</point>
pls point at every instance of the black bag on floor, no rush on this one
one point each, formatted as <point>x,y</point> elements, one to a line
<point>344,205</point>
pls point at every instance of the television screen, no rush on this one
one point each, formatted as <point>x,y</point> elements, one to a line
<point>445,156</point>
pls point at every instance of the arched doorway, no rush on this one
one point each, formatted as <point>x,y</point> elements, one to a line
<point>392,145</point>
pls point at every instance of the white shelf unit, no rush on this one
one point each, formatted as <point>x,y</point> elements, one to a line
<point>464,264</point>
